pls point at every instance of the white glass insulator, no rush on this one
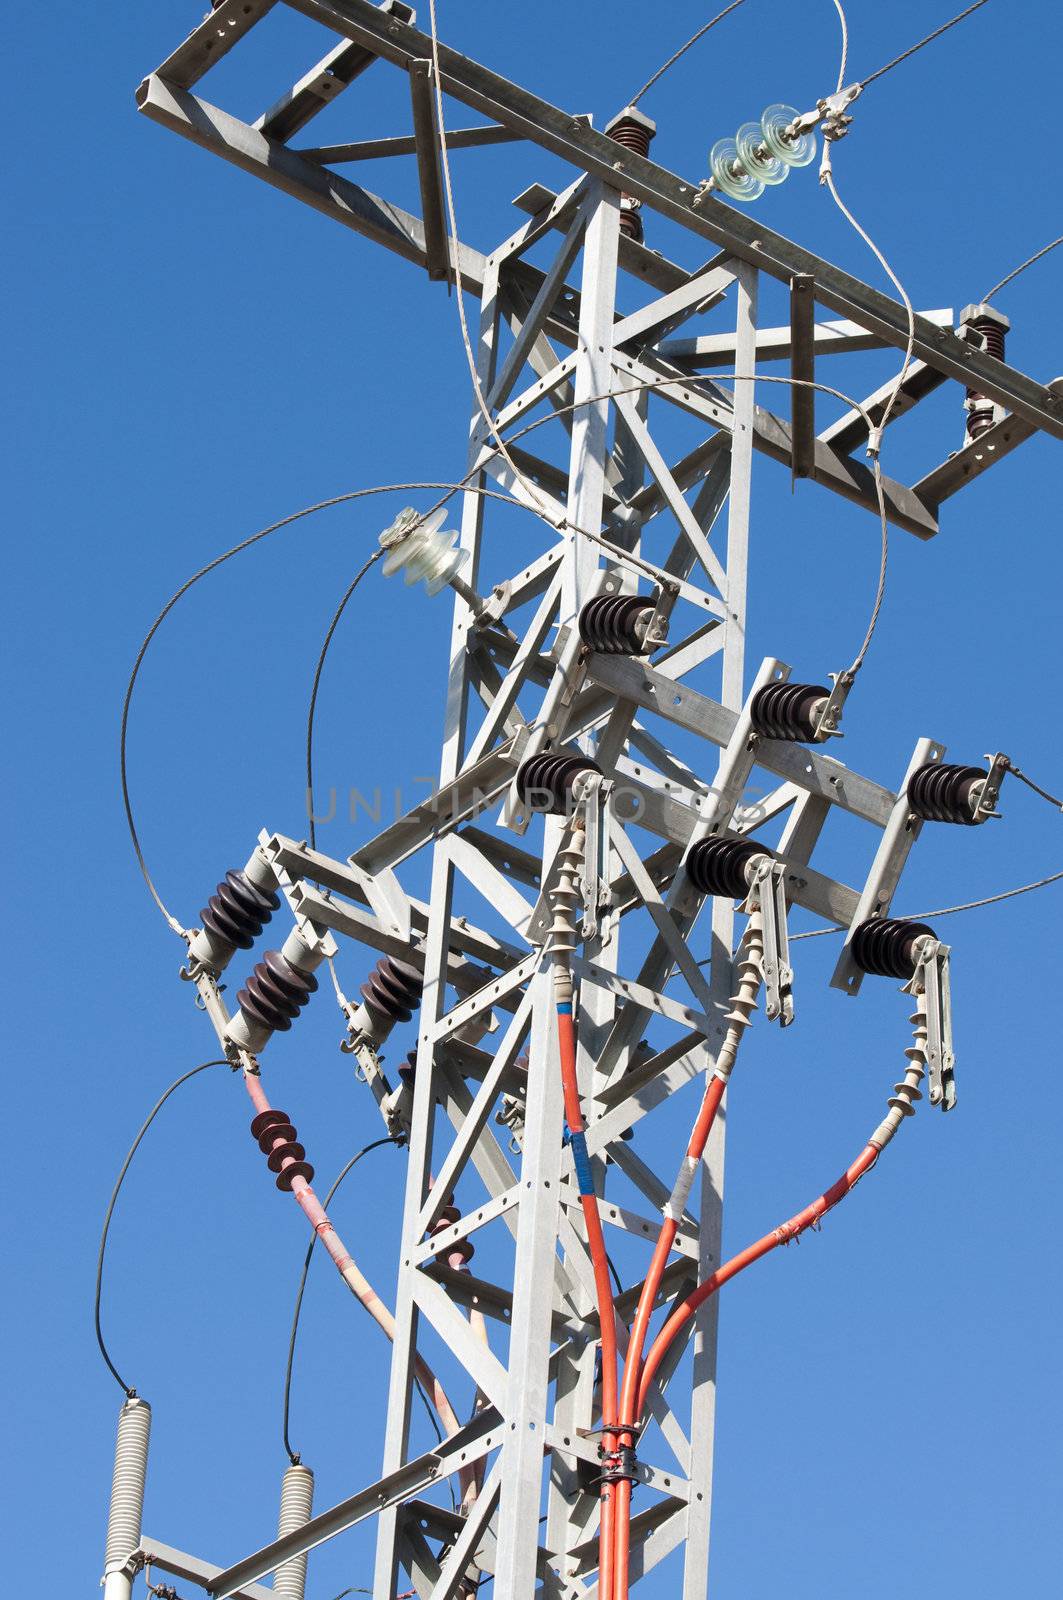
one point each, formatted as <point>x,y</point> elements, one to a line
<point>423,553</point>
<point>749,141</point>
<point>731,176</point>
<point>795,152</point>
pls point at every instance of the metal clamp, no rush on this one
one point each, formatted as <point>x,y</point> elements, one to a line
<point>830,712</point>
<point>931,979</point>
<point>369,1068</point>
<point>594,803</point>
<point>767,891</point>
<point>989,793</point>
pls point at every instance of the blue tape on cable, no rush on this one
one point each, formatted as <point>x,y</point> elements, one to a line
<point>582,1162</point>
<point>564,1008</point>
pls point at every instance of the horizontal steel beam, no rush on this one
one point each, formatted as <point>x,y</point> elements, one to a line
<point>684,202</point>
<point>191,1569</point>
<point>775,344</point>
<point>471,1443</point>
<point>406,145</point>
<point>335,196</point>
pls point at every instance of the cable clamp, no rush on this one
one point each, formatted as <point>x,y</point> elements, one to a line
<point>619,1466</point>
<point>931,980</point>
<point>829,714</point>
<point>768,892</point>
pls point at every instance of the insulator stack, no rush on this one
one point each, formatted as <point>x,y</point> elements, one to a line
<point>750,973</point>
<point>127,1496</point>
<point>297,1505</point>
<point>888,947</point>
<point>279,1143</point>
<point>993,326</point>
<point>407,1070</point>
<point>459,1254</point>
<point>943,793</point>
<point>392,993</point>
<point>546,782</point>
<point>616,624</point>
<point>788,710</point>
<point>719,866</point>
<point>634,131</point>
<point>235,914</point>
<point>276,992</point>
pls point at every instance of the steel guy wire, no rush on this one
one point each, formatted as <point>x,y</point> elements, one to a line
<point>945,911</point>
<point>945,26</point>
<point>683,48</point>
<point>1021,268</point>
<point>153,1113</point>
<point>293,1455</point>
<point>333,625</point>
<point>845,47</point>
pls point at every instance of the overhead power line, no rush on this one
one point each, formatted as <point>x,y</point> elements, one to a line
<point>1021,268</point>
<point>905,54</point>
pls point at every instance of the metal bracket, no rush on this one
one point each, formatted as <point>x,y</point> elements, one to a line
<point>597,900</point>
<point>831,711</point>
<point>989,793</point>
<point>931,979</point>
<point>768,891</point>
<point>369,1068</point>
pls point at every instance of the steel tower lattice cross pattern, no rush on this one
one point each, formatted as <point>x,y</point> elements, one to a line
<point>553,345</point>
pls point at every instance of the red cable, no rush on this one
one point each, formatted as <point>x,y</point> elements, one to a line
<point>629,1407</point>
<point>596,1242</point>
<point>730,1269</point>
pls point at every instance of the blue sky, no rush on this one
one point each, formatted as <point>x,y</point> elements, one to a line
<point>191,355</point>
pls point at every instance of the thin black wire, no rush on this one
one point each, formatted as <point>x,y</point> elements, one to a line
<point>1021,268</point>
<point>683,48</point>
<point>221,1062</point>
<point>945,26</point>
<point>1052,799</point>
<point>333,625</point>
<point>616,1275</point>
<point>245,544</point>
<point>293,1455</point>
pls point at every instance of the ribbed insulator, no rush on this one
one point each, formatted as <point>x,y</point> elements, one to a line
<point>981,413</point>
<point>276,992</point>
<point>564,897</point>
<point>632,133</point>
<point>941,793</point>
<point>297,1505</point>
<point>407,1070</point>
<point>419,549</point>
<point>630,220</point>
<point>887,947</point>
<point>750,973</point>
<point>237,911</point>
<point>127,1484</point>
<point>615,624</point>
<point>278,1141</point>
<point>545,782</point>
<point>718,866</point>
<point>392,990</point>
<point>788,710</point>
<point>905,1094</point>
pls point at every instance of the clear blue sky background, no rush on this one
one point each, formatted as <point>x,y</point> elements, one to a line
<point>190,355</point>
